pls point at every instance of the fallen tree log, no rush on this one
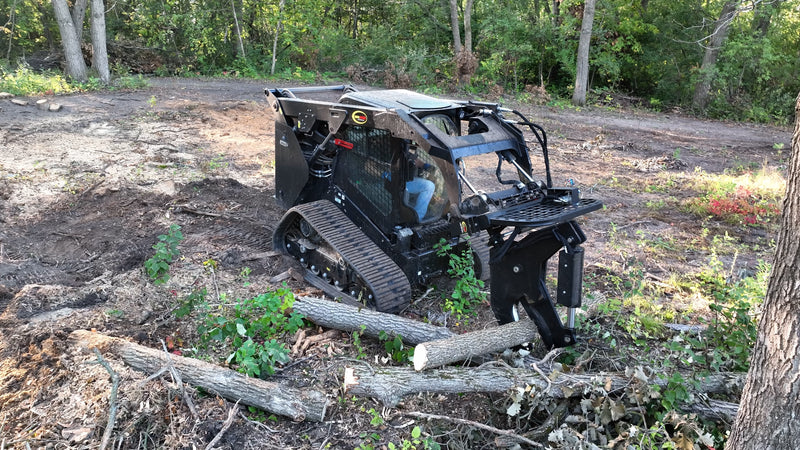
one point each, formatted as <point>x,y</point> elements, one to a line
<point>298,404</point>
<point>390,384</point>
<point>476,343</point>
<point>330,314</point>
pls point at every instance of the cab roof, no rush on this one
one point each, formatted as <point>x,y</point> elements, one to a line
<point>400,99</point>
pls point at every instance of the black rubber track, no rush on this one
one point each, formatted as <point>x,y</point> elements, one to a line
<point>390,288</point>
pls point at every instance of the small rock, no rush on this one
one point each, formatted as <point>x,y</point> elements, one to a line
<point>42,104</point>
<point>166,187</point>
<point>19,102</point>
<point>78,434</point>
<point>54,107</point>
<point>4,95</point>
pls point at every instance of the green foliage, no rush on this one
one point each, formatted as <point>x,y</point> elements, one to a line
<point>395,348</point>
<point>24,81</point>
<point>466,294</point>
<point>251,328</point>
<point>751,198</point>
<point>735,304</point>
<point>416,441</point>
<point>651,50</point>
<point>157,267</point>
<point>360,353</point>
<point>196,298</point>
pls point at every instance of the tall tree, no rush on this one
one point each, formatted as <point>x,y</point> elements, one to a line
<point>769,413</point>
<point>466,63</point>
<point>582,65</point>
<point>12,20</point>
<point>76,67</point>
<point>99,51</point>
<point>278,29</point>
<point>715,41</point>
<point>78,14</point>
<point>242,54</point>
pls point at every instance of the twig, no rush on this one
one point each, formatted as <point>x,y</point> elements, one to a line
<point>471,423</point>
<point>228,422</point>
<point>256,423</point>
<point>187,210</point>
<point>112,400</point>
<point>177,377</point>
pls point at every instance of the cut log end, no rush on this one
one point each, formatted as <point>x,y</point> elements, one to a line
<point>420,357</point>
<point>350,378</point>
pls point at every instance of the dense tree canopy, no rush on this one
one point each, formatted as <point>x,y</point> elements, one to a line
<point>652,49</point>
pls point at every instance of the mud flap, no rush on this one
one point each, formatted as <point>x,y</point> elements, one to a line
<point>519,270</point>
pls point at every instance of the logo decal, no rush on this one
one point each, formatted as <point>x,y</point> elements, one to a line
<point>359,117</point>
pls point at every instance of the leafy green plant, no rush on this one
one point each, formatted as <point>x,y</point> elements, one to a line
<point>375,417</point>
<point>24,81</point>
<point>361,353</point>
<point>157,267</point>
<point>733,328</point>
<point>467,292</point>
<point>251,328</point>
<point>196,298</point>
<point>417,442</point>
<point>395,348</point>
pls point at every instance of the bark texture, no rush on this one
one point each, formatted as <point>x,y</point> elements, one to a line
<point>76,67</point>
<point>306,404</point>
<point>715,41</point>
<point>78,14</point>
<point>468,345</point>
<point>391,384</point>
<point>769,413</point>
<point>329,314</point>
<point>455,27</point>
<point>582,64</point>
<point>99,51</point>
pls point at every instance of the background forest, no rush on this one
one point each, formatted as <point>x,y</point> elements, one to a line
<point>656,51</point>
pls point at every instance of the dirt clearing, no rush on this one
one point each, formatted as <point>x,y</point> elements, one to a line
<point>84,193</point>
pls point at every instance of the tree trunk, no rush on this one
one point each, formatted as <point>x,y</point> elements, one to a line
<point>582,65</point>
<point>12,15</point>
<point>455,27</point>
<point>468,26</point>
<point>306,404</point>
<point>762,16</point>
<point>329,314</point>
<point>555,19</point>
<point>48,35</point>
<point>278,28</point>
<point>469,345</point>
<point>356,18</point>
<point>466,63</point>
<point>76,67</point>
<point>769,413</point>
<point>238,31</point>
<point>78,14</point>
<point>99,51</point>
<point>390,384</point>
<point>715,41</point>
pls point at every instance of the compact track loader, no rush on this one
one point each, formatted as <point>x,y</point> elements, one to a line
<point>374,180</point>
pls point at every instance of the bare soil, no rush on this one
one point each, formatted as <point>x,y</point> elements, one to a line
<point>84,193</point>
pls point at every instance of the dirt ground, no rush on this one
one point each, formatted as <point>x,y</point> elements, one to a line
<point>85,191</point>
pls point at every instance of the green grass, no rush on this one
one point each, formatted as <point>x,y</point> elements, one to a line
<point>25,81</point>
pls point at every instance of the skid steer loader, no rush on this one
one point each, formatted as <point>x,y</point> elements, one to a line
<point>374,180</point>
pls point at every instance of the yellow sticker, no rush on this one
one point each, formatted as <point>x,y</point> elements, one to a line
<point>359,117</point>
